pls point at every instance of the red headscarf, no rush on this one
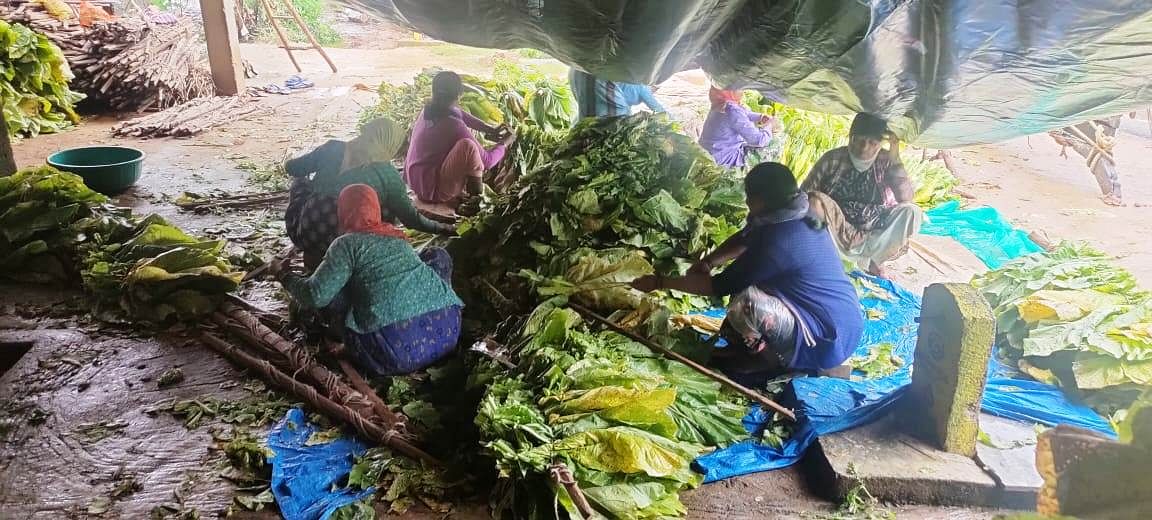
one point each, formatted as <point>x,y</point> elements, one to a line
<point>720,97</point>
<point>359,210</point>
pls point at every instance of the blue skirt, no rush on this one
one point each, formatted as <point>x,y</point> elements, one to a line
<point>413,344</point>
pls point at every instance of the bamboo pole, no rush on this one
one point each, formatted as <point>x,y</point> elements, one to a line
<point>280,33</point>
<point>307,33</point>
<point>314,399</point>
<point>719,378</point>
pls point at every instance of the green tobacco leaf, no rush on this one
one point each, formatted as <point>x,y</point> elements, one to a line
<point>585,201</point>
<point>663,211</point>
<point>631,451</point>
<point>647,500</point>
<point>1093,371</point>
<point>256,502</point>
<point>602,281</point>
<point>644,409</point>
<point>1136,425</point>
<point>358,510</point>
<point>880,361</point>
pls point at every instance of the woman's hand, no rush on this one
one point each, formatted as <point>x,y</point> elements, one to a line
<point>894,147</point>
<point>702,266</point>
<point>499,133</point>
<point>647,283</point>
<point>508,137</point>
<point>277,267</point>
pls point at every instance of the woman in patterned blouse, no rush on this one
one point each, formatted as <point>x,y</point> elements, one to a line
<point>864,194</point>
<point>401,313</point>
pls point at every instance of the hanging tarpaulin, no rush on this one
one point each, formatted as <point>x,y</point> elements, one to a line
<point>945,72</point>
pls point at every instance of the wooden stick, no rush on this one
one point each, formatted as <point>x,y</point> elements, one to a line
<point>398,422</point>
<point>563,477</point>
<point>719,378</point>
<point>313,398</point>
<point>288,252</point>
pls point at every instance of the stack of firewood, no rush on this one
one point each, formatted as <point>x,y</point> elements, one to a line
<point>125,63</point>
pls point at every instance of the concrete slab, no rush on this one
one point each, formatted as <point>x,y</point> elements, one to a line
<point>1011,459</point>
<point>898,468</point>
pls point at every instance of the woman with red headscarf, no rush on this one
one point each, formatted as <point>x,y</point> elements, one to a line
<point>734,135</point>
<point>402,313</point>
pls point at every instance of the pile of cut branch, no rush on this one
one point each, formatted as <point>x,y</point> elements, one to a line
<point>189,118</point>
<point>126,63</point>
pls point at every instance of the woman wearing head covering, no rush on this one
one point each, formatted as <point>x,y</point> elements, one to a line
<point>444,159</point>
<point>792,308</point>
<point>311,216</point>
<point>402,313</point>
<point>734,135</point>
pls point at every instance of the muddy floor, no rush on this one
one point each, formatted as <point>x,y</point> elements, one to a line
<point>84,444</point>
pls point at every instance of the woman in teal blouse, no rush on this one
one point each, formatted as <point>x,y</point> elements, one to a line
<point>311,219</point>
<point>402,313</point>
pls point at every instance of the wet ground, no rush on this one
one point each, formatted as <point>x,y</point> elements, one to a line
<point>79,442</point>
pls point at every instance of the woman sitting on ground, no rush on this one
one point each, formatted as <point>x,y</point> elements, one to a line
<point>402,313</point>
<point>444,158</point>
<point>792,308</point>
<point>311,219</point>
<point>734,135</point>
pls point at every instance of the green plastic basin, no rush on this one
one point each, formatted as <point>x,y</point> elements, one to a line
<point>107,169</point>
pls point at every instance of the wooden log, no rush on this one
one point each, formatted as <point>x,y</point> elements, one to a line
<point>254,332</point>
<point>313,398</point>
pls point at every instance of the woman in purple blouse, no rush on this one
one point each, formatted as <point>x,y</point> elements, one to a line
<point>736,136</point>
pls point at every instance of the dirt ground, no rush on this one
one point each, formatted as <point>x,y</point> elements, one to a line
<point>48,472</point>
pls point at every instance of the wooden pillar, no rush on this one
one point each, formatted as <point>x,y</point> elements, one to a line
<point>223,46</point>
<point>7,161</point>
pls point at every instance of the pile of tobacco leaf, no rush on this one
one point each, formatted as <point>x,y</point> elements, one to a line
<point>1071,317</point>
<point>34,80</point>
<point>625,184</point>
<point>625,421</point>
<point>618,198</point>
<point>53,228</point>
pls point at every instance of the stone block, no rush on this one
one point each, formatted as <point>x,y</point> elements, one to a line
<point>957,330</point>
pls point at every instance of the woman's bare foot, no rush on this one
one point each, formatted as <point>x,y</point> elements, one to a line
<point>1112,200</point>
<point>878,271</point>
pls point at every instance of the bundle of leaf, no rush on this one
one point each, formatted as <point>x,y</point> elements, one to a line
<point>807,135</point>
<point>625,421</point>
<point>1070,317</point>
<point>159,273</point>
<point>44,216</point>
<point>631,183</point>
<point>34,83</point>
<point>514,95</point>
<point>934,182</point>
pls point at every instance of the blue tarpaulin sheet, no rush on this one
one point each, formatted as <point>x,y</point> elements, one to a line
<point>826,405</point>
<point>983,231</point>
<point>307,480</point>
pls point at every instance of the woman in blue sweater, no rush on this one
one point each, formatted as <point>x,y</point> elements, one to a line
<point>792,307</point>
